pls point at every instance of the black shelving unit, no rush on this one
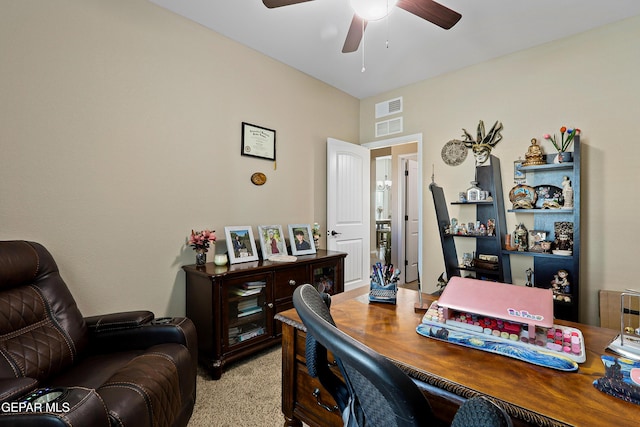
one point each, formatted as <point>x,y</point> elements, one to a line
<point>489,179</point>
<point>546,265</point>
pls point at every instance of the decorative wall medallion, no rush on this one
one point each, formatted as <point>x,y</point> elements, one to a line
<point>258,178</point>
<point>454,152</point>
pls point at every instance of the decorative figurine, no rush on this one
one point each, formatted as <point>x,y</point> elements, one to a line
<point>467,260</point>
<point>491,227</point>
<point>521,237</point>
<point>529,272</point>
<point>561,286</point>
<point>567,193</point>
<point>473,192</point>
<point>534,154</point>
<point>454,226</point>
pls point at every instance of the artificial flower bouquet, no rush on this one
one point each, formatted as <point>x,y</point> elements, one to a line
<point>564,143</point>
<point>201,239</point>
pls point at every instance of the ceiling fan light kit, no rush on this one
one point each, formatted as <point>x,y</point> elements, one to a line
<point>372,10</point>
<point>428,10</point>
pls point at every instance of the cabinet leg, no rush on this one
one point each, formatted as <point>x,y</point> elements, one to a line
<point>216,372</point>
<point>215,369</point>
<point>292,422</point>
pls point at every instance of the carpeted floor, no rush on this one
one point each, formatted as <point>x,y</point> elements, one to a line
<point>248,394</point>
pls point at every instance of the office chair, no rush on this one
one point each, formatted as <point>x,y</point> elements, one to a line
<point>372,391</point>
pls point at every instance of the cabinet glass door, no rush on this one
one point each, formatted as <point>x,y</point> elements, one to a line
<point>325,278</point>
<point>247,310</point>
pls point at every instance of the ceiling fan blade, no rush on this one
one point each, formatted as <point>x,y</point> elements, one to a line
<point>354,36</point>
<point>278,3</point>
<point>433,12</point>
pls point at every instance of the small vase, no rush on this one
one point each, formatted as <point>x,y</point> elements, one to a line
<point>562,157</point>
<point>201,257</point>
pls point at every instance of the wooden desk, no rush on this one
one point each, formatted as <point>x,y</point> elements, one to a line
<point>449,374</point>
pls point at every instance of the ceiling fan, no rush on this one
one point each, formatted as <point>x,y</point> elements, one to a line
<point>429,10</point>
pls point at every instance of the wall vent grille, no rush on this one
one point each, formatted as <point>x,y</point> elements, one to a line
<point>389,127</point>
<point>389,107</point>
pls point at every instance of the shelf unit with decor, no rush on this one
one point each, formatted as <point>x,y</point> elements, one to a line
<point>489,179</point>
<point>547,265</point>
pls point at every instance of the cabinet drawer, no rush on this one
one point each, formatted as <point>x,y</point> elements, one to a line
<point>307,403</point>
<point>288,279</point>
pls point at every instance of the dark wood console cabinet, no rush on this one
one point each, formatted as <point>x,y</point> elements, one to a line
<point>233,306</point>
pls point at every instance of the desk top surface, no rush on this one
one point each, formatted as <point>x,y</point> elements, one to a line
<point>553,397</point>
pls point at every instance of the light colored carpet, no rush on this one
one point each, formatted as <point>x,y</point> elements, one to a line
<point>248,394</point>
<point>410,285</point>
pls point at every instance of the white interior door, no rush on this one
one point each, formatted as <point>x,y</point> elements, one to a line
<point>348,201</point>
<point>412,221</point>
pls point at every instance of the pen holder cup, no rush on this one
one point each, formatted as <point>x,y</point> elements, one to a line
<point>383,293</point>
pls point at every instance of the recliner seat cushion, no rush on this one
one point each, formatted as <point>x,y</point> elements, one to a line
<point>145,392</point>
<point>131,385</point>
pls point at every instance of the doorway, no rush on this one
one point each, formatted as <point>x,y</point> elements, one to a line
<point>397,220</point>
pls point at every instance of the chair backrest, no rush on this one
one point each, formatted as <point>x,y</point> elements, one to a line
<point>374,392</point>
<point>41,329</point>
<point>379,390</point>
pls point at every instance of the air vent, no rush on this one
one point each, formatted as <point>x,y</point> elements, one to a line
<point>389,127</point>
<point>387,108</point>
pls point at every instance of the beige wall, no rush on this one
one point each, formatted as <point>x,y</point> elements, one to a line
<point>120,131</point>
<point>589,81</point>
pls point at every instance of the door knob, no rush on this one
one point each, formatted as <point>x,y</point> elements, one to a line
<point>334,233</point>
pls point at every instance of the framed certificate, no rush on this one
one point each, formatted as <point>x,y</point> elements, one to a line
<point>258,141</point>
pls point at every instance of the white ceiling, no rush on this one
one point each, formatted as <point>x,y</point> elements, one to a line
<point>309,36</point>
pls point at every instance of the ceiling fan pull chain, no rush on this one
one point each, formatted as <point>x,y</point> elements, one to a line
<point>387,33</point>
<point>387,45</point>
<point>362,71</point>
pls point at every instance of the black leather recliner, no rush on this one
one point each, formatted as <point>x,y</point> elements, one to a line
<point>58,368</point>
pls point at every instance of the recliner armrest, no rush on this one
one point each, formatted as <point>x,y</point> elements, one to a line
<point>79,406</point>
<point>118,321</point>
<point>139,330</point>
<point>12,388</point>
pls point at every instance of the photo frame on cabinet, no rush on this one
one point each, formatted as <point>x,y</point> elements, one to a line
<point>301,239</point>
<point>240,244</point>
<point>272,241</point>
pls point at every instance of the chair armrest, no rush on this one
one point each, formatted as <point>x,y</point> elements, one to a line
<point>118,321</point>
<point>12,388</point>
<point>139,330</point>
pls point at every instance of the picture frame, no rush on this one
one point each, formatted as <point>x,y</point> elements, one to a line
<point>535,237</point>
<point>258,141</point>
<point>240,244</point>
<point>301,239</point>
<point>519,176</point>
<point>272,240</point>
